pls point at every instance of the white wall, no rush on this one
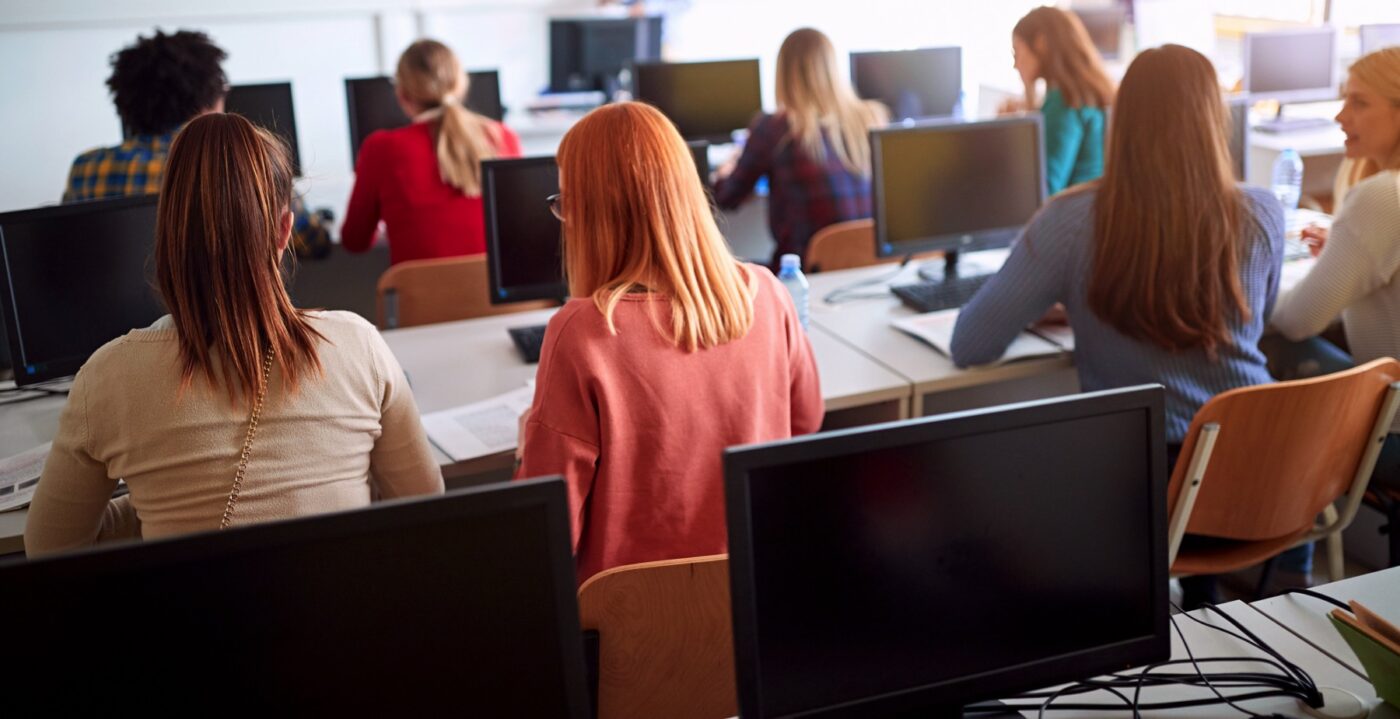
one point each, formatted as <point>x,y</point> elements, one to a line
<point>54,58</point>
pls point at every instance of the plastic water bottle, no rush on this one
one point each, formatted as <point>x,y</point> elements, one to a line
<point>1287,179</point>
<point>790,274</point>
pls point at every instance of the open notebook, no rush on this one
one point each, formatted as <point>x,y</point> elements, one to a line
<point>936,328</point>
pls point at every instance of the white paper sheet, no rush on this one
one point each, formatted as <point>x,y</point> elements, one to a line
<point>936,328</point>
<point>19,477</point>
<point>480,428</point>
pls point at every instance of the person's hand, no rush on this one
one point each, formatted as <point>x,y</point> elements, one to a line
<point>1314,237</point>
<point>1056,315</point>
<point>520,435</point>
<point>728,166</point>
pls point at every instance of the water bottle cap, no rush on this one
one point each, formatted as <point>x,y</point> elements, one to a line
<point>790,262</point>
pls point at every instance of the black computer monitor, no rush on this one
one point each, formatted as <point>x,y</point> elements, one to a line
<point>955,186</point>
<point>912,568</point>
<point>1239,135</point>
<point>706,100</point>
<point>269,106</point>
<point>409,608</point>
<point>591,53</point>
<point>524,240</point>
<point>373,106</point>
<point>1105,27</point>
<point>72,278</point>
<point>913,84</point>
<point>1379,36</point>
<point>1297,65</point>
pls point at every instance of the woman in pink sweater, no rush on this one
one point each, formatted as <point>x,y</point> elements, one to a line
<point>670,351</point>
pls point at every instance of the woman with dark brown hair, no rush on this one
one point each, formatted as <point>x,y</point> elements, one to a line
<point>1166,267</point>
<point>236,407</point>
<point>1051,44</point>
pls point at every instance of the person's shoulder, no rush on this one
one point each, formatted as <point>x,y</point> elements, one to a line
<point>578,317</point>
<point>340,324</point>
<point>1263,206</point>
<point>1378,190</point>
<point>95,155</point>
<point>395,137</point>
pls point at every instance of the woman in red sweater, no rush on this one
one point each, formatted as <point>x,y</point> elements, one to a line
<point>670,351</point>
<point>424,179</point>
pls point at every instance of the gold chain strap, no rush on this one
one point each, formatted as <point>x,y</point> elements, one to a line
<point>248,442</point>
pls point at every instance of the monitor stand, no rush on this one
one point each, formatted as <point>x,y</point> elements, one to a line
<point>929,271</point>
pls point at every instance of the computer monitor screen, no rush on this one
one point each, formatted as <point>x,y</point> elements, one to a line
<point>524,242</point>
<point>72,278</point>
<point>1105,27</point>
<point>1379,37</point>
<point>924,565</point>
<point>956,186</point>
<point>1291,65</point>
<point>911,83</point>
<point>591,53</point>
<point>1239,135</point>
<point>706,100</point>
<point>464,601</point>
<point>373,105</point>
<point>269,106</point>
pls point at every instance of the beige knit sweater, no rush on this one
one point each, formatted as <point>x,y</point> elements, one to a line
<point>341,438</point>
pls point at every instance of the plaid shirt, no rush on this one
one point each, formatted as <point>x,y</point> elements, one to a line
<point>131,168</point>
<point>805,194</point>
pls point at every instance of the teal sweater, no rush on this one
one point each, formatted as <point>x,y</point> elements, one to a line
<point>1074,140</point>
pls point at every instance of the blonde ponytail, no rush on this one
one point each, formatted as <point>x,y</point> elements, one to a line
<point>430,75</point>
<point>464,139</point>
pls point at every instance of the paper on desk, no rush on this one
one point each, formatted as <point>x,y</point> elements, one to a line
<point>936,328</point>
<point>480,428</point>
<point>19,477</point>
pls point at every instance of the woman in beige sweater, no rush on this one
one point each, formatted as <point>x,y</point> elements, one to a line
<point>312,402</point>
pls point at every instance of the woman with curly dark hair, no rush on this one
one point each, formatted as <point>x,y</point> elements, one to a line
<point>157,84</point>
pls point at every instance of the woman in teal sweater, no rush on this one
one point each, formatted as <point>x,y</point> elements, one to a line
<point>1052,45</point>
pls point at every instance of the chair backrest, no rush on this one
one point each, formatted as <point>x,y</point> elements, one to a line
<point>1284,452</point>
<point>665,643</point>
<point>842,246</point>
<point>420,292</point>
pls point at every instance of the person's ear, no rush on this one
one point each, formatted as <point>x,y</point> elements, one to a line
<point>284,230</point>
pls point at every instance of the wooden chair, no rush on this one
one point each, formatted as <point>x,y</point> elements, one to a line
<point>421,292</point>
<point>665,643</point>
<point>1260,464</point>
<point>846,245</point>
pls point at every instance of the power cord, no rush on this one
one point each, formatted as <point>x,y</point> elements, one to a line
<point>846,293</point>
<point>1289,680</point>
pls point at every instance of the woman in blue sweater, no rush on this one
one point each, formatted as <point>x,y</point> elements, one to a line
<point>1052,45</point>
<point>1166,268</point>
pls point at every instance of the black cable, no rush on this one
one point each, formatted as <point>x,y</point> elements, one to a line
<point>1305,679</point>
<point>1319,595</point>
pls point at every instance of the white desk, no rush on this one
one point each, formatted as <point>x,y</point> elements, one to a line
<point>455,363</point>
<point>1307,617</point>
<point>938,385</point>
<point>24,425</point>
<point>1204,643</point>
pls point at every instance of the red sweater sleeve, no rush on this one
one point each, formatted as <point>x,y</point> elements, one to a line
<point>362,215</point>
<point>562,435</point>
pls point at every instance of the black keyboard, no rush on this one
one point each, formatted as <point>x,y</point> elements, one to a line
<point>528,340</point>
<point>933,296</point>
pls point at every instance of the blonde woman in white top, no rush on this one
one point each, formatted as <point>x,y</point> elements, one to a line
<point>1357,275</point>
<point>172,408</point>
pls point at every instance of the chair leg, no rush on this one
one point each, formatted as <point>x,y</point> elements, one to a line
<point>1266,575</point>
<point>1336,564</point>
<point>1392,530</point>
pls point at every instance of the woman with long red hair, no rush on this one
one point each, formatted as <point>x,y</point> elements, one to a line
<point>669,351</point>
<point>237,407</point>
<point>1166,268</point>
